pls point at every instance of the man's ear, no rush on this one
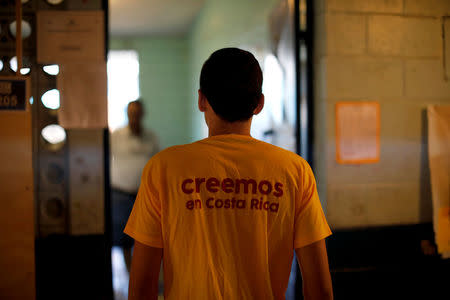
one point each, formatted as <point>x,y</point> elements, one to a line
<point>260,106</point>
<point>201,101</point>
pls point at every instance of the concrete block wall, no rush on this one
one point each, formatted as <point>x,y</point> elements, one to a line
<point>396,52</point>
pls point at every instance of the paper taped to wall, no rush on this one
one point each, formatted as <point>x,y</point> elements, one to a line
<point>357,132</point>
<point>65,36</point>
<point>83,95</point>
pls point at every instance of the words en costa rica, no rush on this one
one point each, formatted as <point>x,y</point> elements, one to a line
<point>244,193</point>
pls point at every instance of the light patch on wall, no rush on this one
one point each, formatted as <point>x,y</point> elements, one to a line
<point>272,114</point>
<point>273,88</point>
<point>123,85</point>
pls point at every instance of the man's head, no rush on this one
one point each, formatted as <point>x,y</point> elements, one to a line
<point>231,81</point>
<point>135,112</point>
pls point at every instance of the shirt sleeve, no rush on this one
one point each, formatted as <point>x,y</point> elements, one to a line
<point>144,223</point>
<point>310,224</point>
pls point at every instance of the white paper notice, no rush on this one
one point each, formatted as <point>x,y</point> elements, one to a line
<point>70,36</point>
<point>83,95</point>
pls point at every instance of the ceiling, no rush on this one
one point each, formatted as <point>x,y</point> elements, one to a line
<point>152,17</point>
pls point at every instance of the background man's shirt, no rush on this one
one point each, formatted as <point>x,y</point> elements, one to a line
<point>130,153</point>
<point>228,211</point>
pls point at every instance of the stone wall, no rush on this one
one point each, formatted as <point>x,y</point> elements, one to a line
<point>395,52</point>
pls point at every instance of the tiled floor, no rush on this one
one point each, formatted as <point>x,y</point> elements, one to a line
<point>121,277</point>
<point>120,274</point>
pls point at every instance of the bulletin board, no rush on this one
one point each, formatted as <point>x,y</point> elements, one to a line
<point>357,132</point>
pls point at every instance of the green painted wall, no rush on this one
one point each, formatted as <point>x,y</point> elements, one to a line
<point>163,73</point>
<point>170,66</point>
<point>232,23</point>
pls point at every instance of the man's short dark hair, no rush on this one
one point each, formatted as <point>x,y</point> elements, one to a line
<point>137,102</point>
<point>231,80</point>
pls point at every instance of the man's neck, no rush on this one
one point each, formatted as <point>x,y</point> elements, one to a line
<point>135,130</point>
<point>241,128</point>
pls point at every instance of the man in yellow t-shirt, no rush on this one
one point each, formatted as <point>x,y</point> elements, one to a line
<point>226,213</point>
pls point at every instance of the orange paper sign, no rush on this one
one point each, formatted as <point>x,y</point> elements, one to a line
<point>357,132</point>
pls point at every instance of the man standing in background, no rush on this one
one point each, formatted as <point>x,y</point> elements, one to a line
<point>131,148</point>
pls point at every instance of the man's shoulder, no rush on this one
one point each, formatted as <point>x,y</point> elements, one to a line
<point>118,136</point>
<point>257,145</point>
<point>192,151</point>
<point>174,151</point>
<point>120,131</point>
<point>170,156</point>
<point>276,151</point>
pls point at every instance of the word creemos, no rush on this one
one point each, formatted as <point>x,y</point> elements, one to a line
<point>228,185</point>
<point>243,187</point>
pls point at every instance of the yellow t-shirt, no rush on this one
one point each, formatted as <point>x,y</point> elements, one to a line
<point>229,211</point>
